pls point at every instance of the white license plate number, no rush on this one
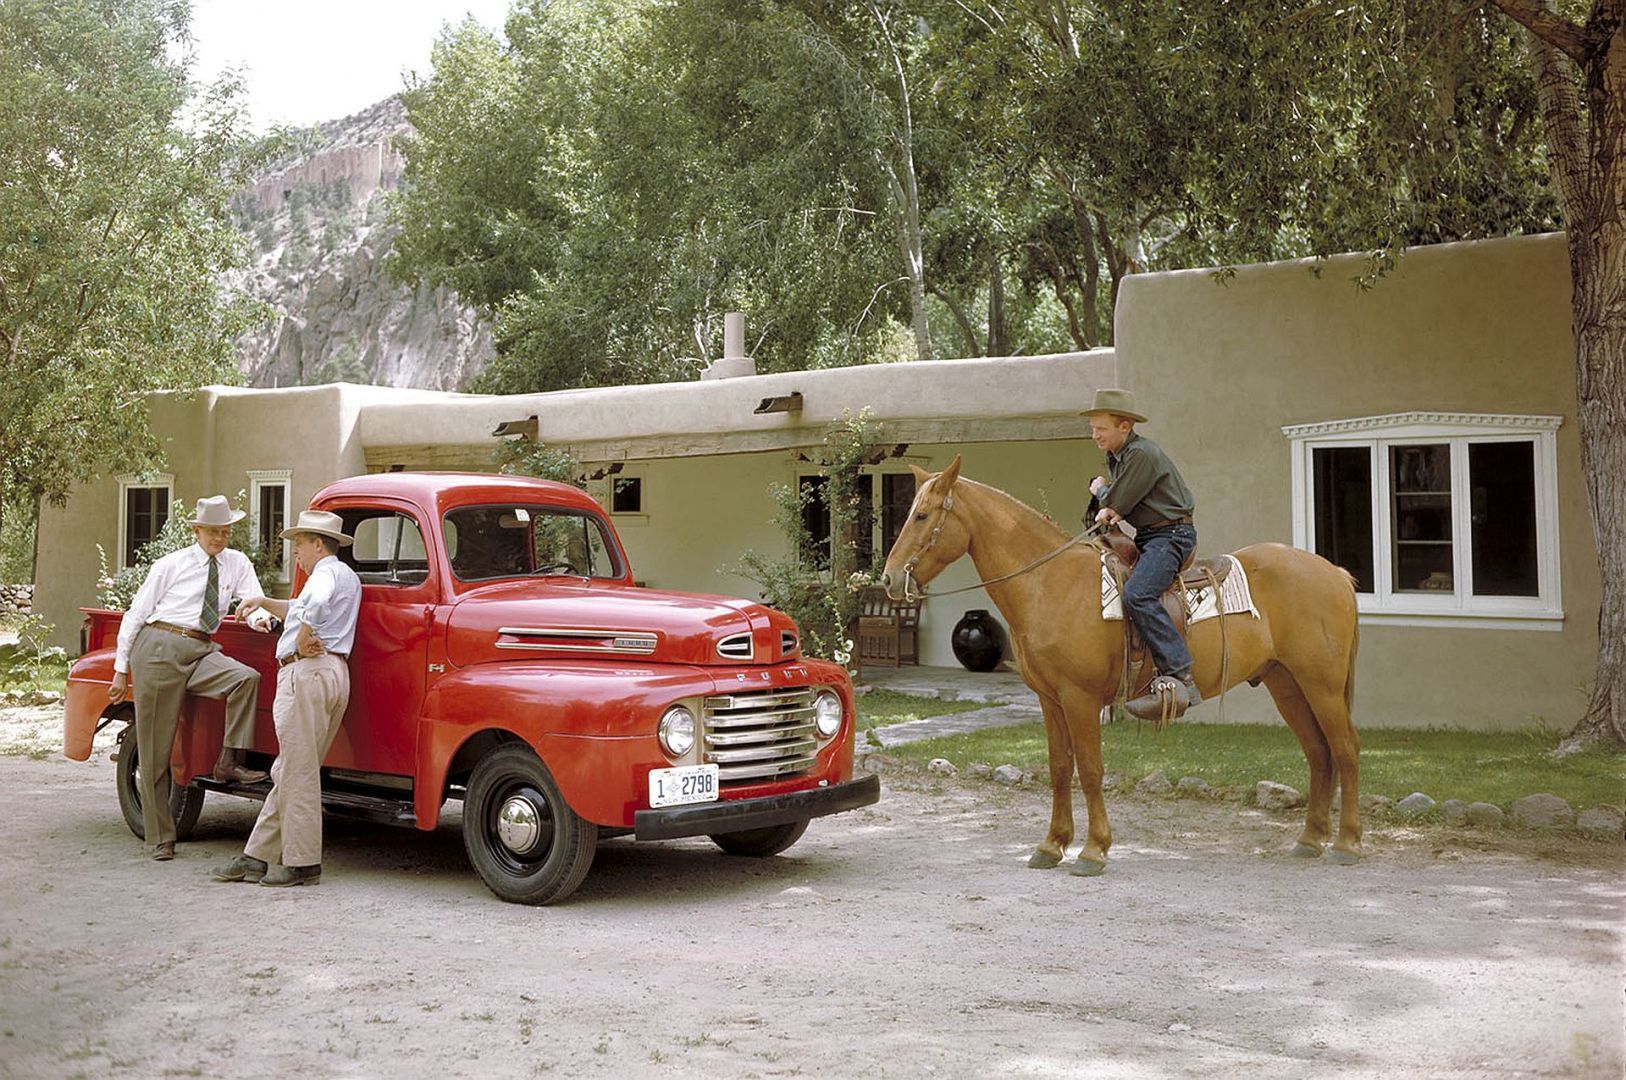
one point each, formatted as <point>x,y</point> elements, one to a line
<point>684,784</point>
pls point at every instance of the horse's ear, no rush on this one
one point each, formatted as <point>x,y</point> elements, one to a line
<point>921,475</point>
<point>947,477</point>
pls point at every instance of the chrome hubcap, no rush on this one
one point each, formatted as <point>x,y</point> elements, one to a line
<point>519,826</point>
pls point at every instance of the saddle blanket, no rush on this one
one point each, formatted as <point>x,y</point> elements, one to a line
<point>1200,603</point>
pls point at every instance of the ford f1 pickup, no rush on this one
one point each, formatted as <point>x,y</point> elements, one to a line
<point>505,657</point>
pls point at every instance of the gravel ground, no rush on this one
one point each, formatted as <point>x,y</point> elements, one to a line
<point>906,939</point>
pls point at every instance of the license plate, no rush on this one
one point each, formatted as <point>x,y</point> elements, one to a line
<point>684,784</point>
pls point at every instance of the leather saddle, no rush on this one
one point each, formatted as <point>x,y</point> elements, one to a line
<point>1120,558</point>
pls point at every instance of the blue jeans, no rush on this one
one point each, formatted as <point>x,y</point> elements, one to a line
<point>1162,550</point>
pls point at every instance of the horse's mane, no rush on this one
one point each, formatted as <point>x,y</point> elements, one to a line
<point>1028,516</point>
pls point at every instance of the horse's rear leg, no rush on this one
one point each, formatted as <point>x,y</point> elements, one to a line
<point>1060,750</point>
<point>1332,715</point>
<point>1084,730</point>
<point>1295,709</point>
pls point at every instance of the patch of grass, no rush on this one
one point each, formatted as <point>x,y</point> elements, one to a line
<point>881,707</point>
<point>1495,767</point>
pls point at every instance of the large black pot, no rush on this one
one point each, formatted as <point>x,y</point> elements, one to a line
<point>978,641</point>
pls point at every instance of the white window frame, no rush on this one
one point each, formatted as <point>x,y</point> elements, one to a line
<point>1460,607</point>
<point>132,480</point>
<point>259,479</point>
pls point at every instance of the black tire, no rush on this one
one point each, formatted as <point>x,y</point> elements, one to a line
<point>541,853</point>
<point>185,803</point>
<point>760,843</point>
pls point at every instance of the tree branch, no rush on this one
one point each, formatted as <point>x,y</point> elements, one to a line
<point>1548,25</point>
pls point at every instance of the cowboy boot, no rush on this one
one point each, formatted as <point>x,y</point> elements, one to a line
<point>1165,700</point>
<point>230,767</point>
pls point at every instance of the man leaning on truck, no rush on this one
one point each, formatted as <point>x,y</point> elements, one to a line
<point>313,688</point>
<point>164,640</point>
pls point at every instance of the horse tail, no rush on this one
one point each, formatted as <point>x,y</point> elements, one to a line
<point>1354,647</point>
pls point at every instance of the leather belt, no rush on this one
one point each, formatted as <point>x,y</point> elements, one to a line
<point>284,661</point>
<point>184,631</point>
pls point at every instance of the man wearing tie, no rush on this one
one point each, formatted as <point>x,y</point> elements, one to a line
<point>165,643</point>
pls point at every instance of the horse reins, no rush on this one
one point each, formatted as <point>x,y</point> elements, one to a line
<point>943,512</point>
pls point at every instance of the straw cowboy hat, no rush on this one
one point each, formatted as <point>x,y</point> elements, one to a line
<point>321,523</point>
<point>1117,402</point>
<point>214,511</point>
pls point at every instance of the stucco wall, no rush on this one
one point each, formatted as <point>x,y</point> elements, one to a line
<point>1482,328</point>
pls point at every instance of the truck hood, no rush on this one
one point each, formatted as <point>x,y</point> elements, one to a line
<point>561,617</point>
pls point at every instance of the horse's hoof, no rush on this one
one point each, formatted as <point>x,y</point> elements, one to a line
<point>1301,850</point>
<point>1043,860</point>
<point>1083,867</point>
<point>1342,857</point>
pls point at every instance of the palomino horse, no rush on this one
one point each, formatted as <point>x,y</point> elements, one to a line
<point>1302,647</point>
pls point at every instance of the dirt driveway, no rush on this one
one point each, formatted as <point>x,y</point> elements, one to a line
<point>904,940</point>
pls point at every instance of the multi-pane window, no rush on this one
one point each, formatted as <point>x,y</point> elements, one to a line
<point>268,515</point>
<point>1434,515</point>
<point>143,510</point>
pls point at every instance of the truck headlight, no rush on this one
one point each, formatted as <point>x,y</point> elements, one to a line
<point>677,731</point>
<point>827,714</point>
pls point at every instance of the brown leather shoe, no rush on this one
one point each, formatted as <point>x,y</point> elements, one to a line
<point>230,768</point>
<point>280,877</point>
<point>163,851</point>
<point>243,868</point>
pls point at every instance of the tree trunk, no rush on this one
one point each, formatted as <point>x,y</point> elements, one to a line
<point>997,345</point>
<point>1587,149</point>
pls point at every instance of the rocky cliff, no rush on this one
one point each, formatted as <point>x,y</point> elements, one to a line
<point>318,241</point>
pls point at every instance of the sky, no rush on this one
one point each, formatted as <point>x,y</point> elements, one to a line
<point>306,61</point>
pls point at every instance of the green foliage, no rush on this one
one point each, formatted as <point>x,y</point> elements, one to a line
<point>525,456</point>
<point>17,544</point>
<point>1495,767</point>
<point>822,602</point>
<point>30,660</point>
<point>115,174</point>
<point>614,175</point>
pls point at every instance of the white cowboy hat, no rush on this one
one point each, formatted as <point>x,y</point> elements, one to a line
<point>215,510</point>
<point>1117,402</point>
<point>321,523</point>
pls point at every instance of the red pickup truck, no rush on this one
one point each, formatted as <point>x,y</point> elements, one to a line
<point>505,657</point>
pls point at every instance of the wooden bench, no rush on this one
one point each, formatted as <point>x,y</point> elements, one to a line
<point>888,630</point>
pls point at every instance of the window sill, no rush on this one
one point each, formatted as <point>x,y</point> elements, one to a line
<point>1464,620</point>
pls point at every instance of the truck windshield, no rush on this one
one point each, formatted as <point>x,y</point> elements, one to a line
<point>485,542</point>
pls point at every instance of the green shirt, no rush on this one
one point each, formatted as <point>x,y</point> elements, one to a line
<point>1144,486</point>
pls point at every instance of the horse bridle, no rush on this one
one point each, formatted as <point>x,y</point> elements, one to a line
<point>910,592</point>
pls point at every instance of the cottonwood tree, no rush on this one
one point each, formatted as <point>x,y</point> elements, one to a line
<point>1580,76</point>
<point>113,229</point>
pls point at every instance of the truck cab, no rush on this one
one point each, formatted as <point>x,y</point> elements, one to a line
<point>505,657</point>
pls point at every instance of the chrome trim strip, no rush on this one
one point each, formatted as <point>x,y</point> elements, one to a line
<point>624,642</point>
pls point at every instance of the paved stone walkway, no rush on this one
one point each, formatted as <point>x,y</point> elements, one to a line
<point>1009,701</point>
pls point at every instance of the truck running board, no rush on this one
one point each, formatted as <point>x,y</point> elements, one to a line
<point>348,804</point>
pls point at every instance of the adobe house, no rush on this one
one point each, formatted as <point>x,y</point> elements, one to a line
<point>1420,433</point>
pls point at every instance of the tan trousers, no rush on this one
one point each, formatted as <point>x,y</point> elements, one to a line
<point>310,701</point>
<point>165,667</point>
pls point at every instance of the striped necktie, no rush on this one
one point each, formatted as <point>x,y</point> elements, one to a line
<point>211,599</point>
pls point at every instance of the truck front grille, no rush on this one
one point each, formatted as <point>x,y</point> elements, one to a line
<point>760,734</point>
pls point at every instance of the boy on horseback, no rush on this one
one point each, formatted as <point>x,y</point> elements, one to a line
<point>1145,490</point>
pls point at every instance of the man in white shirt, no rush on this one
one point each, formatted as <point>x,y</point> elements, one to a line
<point>313,688</point>
<point>164,641</point>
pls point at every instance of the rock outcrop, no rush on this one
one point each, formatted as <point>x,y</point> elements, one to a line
<point>319,240</point>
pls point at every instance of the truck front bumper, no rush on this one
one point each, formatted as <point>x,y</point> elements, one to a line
<point>705,819</point>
